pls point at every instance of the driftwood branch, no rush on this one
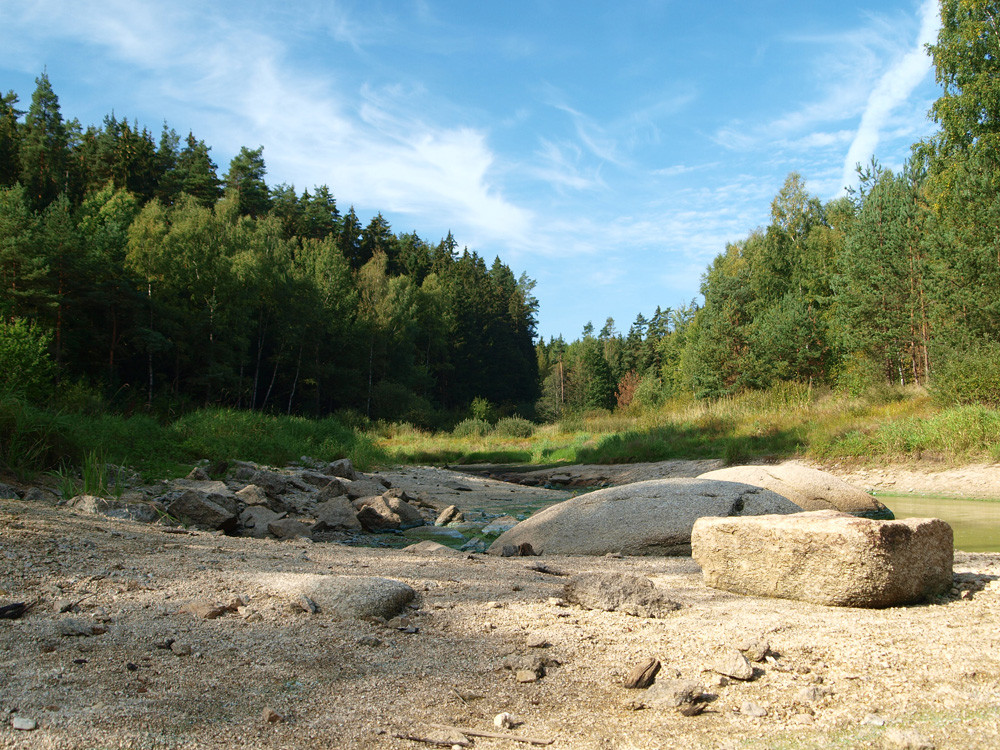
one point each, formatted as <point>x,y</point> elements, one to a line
<point>495,735</point>
<point>431,740</point>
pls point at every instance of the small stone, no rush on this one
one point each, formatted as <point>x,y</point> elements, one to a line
<point>526,675</point>
<point>369,640</point>
<point>24,725</point>
<point>181,649</point>
<point>204,609</point>
<point>72,627</point>
<point>537,640</point>
<point>812,694</point>
<point>873,720</point>
<point>734,664</point>
<point>272,717</point>
<point>802,719</point>
<point>906,739</point>
<point>643,674</point>
<point>749,708</point>
<point>692,709</point>
<point>755,649</point>
<point>503,721</point>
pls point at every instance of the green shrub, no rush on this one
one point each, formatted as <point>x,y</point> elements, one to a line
<point>515,427</point>
<point>471,428</point>
<point>969,376</point>
<point>25,366</point>
<point>482,409</point>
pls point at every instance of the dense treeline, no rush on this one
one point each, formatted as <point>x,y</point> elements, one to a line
<point>898,282</point>
<point>130,268</point>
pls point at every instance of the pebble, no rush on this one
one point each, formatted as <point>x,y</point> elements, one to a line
<point>537,640</point>
<point>503,721</point>
<point>734,664</point>
<point>749,708</point>
<point>272,717</point>
<point>181,649</point>
<point>23,724</point>
<point>526,675</point>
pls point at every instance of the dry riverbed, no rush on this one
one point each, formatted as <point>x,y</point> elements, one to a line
<point>125,667</point>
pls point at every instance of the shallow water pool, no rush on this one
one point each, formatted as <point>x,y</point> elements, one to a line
<point>976,523</point>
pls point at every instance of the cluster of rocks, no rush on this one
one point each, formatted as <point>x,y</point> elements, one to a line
<point>321,501</point>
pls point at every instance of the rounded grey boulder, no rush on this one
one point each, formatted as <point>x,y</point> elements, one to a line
<point>645,518</point>
<point>809,488</point>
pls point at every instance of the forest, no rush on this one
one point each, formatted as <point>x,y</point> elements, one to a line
<point>898,282</point>
<point>135,275</point>
<point>132,272</point>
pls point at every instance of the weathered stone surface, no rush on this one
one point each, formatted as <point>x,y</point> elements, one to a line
<point>273,483</point>
<point>376,515</point>
<point>427,547</point>
<point>255,519</point>
<point>196,509</point>
<point>341,468</point>
<point>40,495</point>
<point>346,597</point>
<point>213,491</point>
<point>409,517</point>
<point>448,515</point>
<point>338,513</point>
<point>289,528</point>
<point>141,512</point>
<point>252,495</point>
<point>826,557</point>
<point>673,693</point>
<point>500,525</point>
<point>198,473</point>
<point>733,664</point>
<point>314,479</point>
<point>810,489</point>
<point>619,592</point>
<point>8,493</point>
<point>333,488</point>
<point>646,518</point>
<point>365,488</point>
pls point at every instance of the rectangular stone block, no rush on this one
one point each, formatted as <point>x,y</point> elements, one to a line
<point>826,557</point>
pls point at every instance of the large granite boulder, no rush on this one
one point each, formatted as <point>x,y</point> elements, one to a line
<point>826,557</point>
<point>645,518</point>
<point>810,489</point>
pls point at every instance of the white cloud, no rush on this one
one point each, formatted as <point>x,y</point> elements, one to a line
<point>892,89</point>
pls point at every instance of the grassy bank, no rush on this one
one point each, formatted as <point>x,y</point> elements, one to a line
<point>785,422</point>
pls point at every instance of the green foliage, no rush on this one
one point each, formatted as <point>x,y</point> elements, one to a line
<point>514,427</point>
<point>31,439</point>
<point>471,428</point>
<point>26,369</point>
<point>482,409</point>
<point>969,376</point>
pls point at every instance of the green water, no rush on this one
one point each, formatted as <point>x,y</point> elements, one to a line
<point>976,523</point>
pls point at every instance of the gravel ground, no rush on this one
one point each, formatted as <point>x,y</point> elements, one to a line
<point>836,677</point>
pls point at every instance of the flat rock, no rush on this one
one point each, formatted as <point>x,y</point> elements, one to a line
<point>428,547</point>
<point>654,517</point>
<point>619,592</point>
<point>345,597</point>
<point>91,504</point>
<point>500,525</point>
<point>289,528</point>
<point>826,557</point>
<point>733,664</point>
<point>809,488</point>
<point>365,488</point>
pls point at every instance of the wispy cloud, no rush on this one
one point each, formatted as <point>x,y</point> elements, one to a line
<point>895,85</point>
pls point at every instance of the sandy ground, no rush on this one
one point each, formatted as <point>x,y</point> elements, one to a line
<point>837,677</point>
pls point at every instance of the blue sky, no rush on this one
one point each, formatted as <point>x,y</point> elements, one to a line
<point>608,150</point>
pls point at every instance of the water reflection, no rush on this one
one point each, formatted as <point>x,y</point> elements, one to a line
<point>976,523</point>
